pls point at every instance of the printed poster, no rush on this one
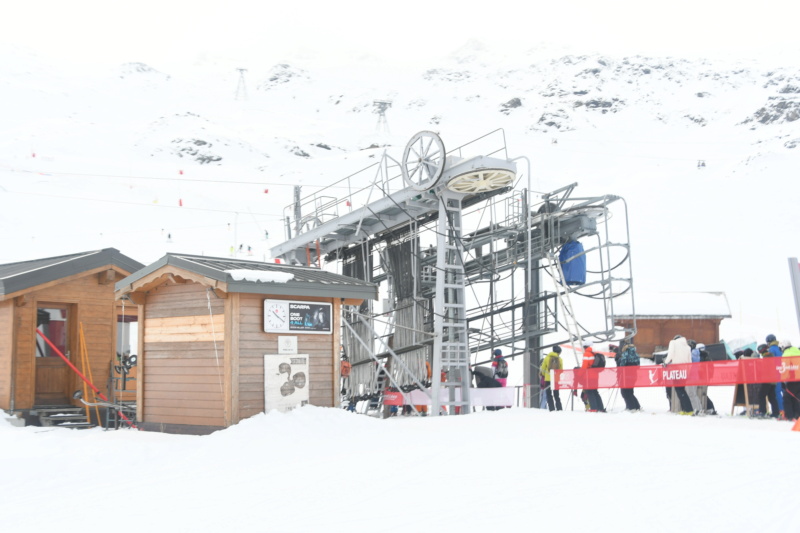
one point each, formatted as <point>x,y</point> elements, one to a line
<point>286,381</point>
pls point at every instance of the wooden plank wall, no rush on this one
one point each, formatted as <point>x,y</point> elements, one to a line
<point>95,309</point>
<point>653,335</point>
<point>183,373</point>
<point>254,343</point>
<point>6,336</point>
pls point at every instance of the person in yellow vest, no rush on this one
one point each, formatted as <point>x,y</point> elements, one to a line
<point>791,389</point>
<point>552,361</point>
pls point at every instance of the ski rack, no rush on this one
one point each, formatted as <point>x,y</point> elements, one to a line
<point>388,232</point>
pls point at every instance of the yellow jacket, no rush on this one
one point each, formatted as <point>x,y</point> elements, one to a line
<point>551,362</point>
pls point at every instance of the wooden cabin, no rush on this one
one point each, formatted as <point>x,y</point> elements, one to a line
<point>224,339</point>
<point>60,297</point>
<point>661,316</point>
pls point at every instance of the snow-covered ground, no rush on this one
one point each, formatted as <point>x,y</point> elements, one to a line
<point>149,160</point>
<point>318,469</point>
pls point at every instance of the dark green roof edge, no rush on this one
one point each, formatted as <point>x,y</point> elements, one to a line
<point>54,268</point>
<point>329,285</point>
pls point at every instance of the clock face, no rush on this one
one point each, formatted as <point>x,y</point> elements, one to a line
<point>276,316</point>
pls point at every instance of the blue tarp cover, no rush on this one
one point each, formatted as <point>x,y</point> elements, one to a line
<point>575,270</point>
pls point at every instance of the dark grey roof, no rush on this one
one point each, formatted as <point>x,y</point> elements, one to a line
<point>306,281</point>
<point>16,277</point>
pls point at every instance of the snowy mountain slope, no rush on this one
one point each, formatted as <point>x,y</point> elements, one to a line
<point>150,162</point>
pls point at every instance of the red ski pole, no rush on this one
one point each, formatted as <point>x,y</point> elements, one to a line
<point>84,378</point>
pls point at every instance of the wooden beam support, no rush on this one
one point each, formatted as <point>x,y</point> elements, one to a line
<point>22,301</point>
<point>222,295</point>
<point>107,277</point>
<point>138,298</point>
<point>166,274</point>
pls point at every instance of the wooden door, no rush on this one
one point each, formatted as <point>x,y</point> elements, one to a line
<point>53,377</point>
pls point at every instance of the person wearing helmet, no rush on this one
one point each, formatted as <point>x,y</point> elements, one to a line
<point>595,401</point>
<point>706,405</point>
<point>552,361</point>
<point>627,356</point>
<point>767,390</point>
<point>500,367</point>
<point>776,351</point>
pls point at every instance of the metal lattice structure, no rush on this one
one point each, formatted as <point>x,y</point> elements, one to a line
<point>467,262</point>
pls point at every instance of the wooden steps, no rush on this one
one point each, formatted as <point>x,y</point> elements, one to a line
<point>63,416</point>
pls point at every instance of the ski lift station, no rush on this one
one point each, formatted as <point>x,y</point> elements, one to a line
<point>393,287</point>
<point>468,259</point>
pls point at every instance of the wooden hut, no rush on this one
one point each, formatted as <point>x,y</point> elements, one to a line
<point>661,316</point>
<point>59,297</point>
<point>212,329</point>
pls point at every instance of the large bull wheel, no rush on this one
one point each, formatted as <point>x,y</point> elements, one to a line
<point>423,160</point>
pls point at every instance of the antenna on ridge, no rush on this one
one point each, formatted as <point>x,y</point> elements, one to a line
<point>380,107</point>
<point>241,88</point>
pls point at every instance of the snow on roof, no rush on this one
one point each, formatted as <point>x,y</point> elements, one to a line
<point>677,304</point>
<point>266,276</point>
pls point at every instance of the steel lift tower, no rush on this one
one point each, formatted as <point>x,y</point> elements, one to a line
<point>460,255</point>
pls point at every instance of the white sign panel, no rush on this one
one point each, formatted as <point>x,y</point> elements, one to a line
<point>287,345</point>
<point>289,316</point>
<point>286,381</point>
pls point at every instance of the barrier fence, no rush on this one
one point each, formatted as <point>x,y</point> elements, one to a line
<point>767,370</point>
<point>498,396</point>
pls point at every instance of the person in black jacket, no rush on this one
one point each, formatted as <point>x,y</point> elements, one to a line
<point>627,356</point>
<point>706,405</point>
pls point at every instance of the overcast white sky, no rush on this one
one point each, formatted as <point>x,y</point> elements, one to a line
<point>169,34</point>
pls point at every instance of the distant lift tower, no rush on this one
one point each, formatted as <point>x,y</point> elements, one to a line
<point>241,88</point>
<point>380,107</point>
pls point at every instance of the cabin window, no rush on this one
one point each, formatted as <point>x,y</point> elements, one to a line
<point>52,322</point>
<point>127,335</point>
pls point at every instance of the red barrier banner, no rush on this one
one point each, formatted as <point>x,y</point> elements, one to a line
<point>497,396</point>
<point>768,370</point>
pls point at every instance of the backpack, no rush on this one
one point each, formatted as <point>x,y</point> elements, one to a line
<point>630,357</point>
<point>502,369</point>
<point>599,360</point>
<point>555,363</point>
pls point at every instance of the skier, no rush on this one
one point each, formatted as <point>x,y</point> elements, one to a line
<point>791,396</point>
<point>590,360</point>
<point>627,356</point>
<point>767,390</point>
<point>679,352</point>
<point>500,367</point>
<point>552,361</point>
<point>706,405</point>
<point>484,379</point>
<point>775,350</point>
<point>691,391</point>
